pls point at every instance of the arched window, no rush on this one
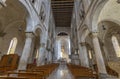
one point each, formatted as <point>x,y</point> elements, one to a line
<point>116,46</point>
<point>37,53</point>
<point>12,46</point>
<point>90,54</point>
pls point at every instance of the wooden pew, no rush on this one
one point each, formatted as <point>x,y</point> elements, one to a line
<point>47,69</point>
<point>9,62</point>
<point>29,75</point>
<point>31,66</point>
<point>40,72</point>
<point>81,72</point>
<point>13,77</point>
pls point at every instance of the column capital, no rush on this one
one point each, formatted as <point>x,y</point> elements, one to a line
<point>29,34</point>
<point>83,43</point>
<point>42,44</point>
<point>93,34</point>
<point>48,49</point>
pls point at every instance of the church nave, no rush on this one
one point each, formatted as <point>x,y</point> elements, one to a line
<point>61,72</point>
<point>60,39</point>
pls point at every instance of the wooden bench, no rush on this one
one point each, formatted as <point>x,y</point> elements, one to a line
<point>9,62</point>
<point>12,77</point>
<point>81,72</point>
<point>29,75</point>
<point>40,72</point>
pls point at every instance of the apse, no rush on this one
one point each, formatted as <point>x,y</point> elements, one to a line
<point>63,48</point>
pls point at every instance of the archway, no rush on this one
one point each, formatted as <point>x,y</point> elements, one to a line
<point>34,54</point>
<point>109,36</point>
<point>116,45</point>
<point>62,47</point>
<point>108,30</point>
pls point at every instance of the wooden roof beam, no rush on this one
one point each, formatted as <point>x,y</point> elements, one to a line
<point>62,1</point>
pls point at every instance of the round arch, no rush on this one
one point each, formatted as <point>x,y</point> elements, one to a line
<point>95,14</point>
<point>20,1</point>
<point>62,34</point>
<point>40,28</point>
<point>109,27</point>
<point>20,24</point>
<point>84,33</point>
<point>105,35</point>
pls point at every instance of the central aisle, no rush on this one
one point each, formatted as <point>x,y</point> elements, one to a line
<point>61,73</point>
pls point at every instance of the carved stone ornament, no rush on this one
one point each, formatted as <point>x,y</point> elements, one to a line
<point>42,13</point>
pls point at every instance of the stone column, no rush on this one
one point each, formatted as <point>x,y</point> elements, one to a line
<point>41,56</point>
<point>84,55</point>
<point>75,59</point>
<point>49,56</point>
<point>1,49</point>
<point>26,52</point>
<point>99,58</point>
<point>32,52</point>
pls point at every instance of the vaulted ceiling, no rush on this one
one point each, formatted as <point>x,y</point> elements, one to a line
<point>62,12</point>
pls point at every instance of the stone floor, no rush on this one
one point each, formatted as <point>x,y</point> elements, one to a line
<point>61,72</point>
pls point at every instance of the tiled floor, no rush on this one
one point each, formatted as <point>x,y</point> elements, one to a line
<point>61,73</point>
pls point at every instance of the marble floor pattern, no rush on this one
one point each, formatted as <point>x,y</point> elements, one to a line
<point>61,72</point>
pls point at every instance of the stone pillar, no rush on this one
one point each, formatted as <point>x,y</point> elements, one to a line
<point>41,56</point>
<point>32,52</point>
<point>84,55</point>
<point>26,52</point>
<point>99,58</point>
<point>49,56</point>
<point>1,49</point>
<point>75,59</point>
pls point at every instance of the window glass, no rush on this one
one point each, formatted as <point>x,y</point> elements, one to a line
<point>116,46</point>
<point>12,46</point>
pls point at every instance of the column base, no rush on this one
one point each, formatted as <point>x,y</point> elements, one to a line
<point>75,59</point>
<point>105,76</point>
